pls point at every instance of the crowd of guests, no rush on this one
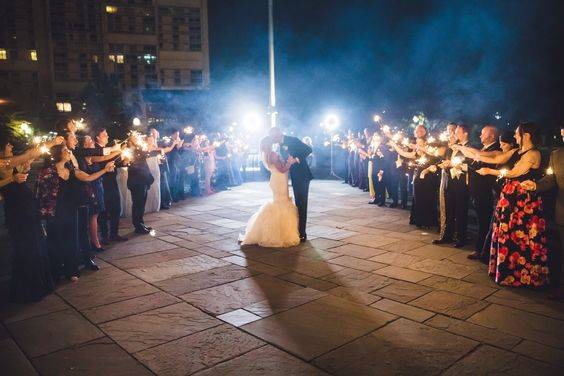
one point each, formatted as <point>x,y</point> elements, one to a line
<point>502,179</point>
<point>74,209</point>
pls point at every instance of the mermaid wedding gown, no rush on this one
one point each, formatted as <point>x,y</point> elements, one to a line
<point>275,225</point>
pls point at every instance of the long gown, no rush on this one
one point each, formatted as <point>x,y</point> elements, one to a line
<point>424,209</point>
<point>275,225</point>
<point>31,276</point>
<point>518,254</point>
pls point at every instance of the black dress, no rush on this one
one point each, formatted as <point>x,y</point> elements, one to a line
<point>424,210</point>
<point>31,279</point>
<point>63,229</point>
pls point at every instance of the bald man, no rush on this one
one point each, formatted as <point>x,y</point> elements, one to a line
<point>481,190</point>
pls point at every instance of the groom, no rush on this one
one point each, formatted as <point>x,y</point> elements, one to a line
<point>299,172</point>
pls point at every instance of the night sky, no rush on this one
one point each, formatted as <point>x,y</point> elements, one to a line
<point>452,60</point>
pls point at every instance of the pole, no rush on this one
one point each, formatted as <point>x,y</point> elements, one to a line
<point>272,101</point>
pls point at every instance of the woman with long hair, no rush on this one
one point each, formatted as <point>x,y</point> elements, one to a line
<point>518,253</point>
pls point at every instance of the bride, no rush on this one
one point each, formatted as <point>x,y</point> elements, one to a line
<point>275,225</point>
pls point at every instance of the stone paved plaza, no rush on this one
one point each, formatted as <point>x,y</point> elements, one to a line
<point>366,295</point>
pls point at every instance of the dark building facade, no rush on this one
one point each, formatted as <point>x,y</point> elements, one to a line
<point>51,49</point>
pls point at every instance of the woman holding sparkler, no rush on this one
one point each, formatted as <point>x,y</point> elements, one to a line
<point>31,277</point>
<point>518,254</point>
<point>424,209</point>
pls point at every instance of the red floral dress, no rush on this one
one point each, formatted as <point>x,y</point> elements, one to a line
<point>518,254</point>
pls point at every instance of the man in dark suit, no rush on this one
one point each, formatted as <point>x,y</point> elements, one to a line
<point>112,198</point>
<point>299,172</point>
<point>481,189</point>
<point>457,195</point>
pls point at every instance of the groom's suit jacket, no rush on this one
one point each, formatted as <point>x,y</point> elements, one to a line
<point>297,149</point>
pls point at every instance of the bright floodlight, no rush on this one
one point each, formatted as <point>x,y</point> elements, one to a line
<point>136,122</point>
<point>376,118</point>
<point>252,121</point>
<point>415,119</point>
<point>332,122</point>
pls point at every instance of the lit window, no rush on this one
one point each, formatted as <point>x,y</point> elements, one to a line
<point>95,58</point>
<point>111,9</point>
<point>33,55</point>
<point>112,57</point>
<point>119,59</point>
<point>3,54</point>
<point>64,107</point>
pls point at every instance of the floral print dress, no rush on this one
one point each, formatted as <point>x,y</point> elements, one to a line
<point>518,254</point>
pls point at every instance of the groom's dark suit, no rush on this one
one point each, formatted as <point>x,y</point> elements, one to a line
<point>300,174</point>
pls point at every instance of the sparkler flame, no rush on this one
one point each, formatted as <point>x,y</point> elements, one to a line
<point>549,171</point>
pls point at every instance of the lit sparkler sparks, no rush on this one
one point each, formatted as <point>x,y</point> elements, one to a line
<point>549,171</point>
<point>502,173</point>
<point>421,160</point>
<point>189,130</point>
<point>396,137</point>
<point>431,139</point>
<point>44,149</point>
<point>405,141</point>
<point>456,161</point>
<point>153,232</point>
<point>444,136</point>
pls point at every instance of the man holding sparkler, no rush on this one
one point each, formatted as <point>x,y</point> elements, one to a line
<point>457,195</point>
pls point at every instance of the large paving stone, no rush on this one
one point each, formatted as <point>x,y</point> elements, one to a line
<point>202,280</point>
<point>523,324</point>
<point>99,357</point>
<point>356,263</point>
<point>305,281</point>
<point>433,252</point>
<point>11,312</point>
<point>153,258</point>
<point>239,294</point>
<point>292,261</point>
<point>401,246</point>
<point>449,304</point>
<point>201,350</point>
<point>528,302</point>
<point>397,259</point>
<point>148,329</point>
<point>284,302</point>
<point>473,331</point>
<point>354,295</point>
<point>13,361</point>
<point>322,243</point>
<point>176,268</point>
<point>489,360</point>
<point>310,330</point>
<point>458,286</point>
<point>369,240</point>
<point>445,268</point>
<point>541,352</point>
<point>104,287</point>
<point>403,310</point>
<point>55,331</point>
<point>238,317</point>
<point>129,249</point>
<point>400,348</point>
<point>361,281</point>
<point>358,251</point>
<point>402,273</point>
<point>129,307</point>
<point>402,291</point>
<point>266,360</point>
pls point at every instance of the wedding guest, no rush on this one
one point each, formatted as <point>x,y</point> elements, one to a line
<point>139,180</point>
<point>554,178</point>
<point>207,149</point>
<point>457,196</point>
<point>376,172</point>
<point>59,194</point>
<point>503,159</point>
<point>481,188</point>
<point>31,277</point>
<point>95,193</point>
<point>112,201</point>
<point>166,198</point>
<point>518,255</point>
<point>222,166</point>
<point>153,203</point>
<point>176,166</point>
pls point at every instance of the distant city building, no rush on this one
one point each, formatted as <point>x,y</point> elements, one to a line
<point>51,49</point>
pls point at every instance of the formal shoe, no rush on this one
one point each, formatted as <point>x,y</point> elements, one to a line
<point>118,238</point>
<point>142,230</point>
<point>372,202</point>
<point>165,207</point>
<point>442,241</point>
<point>459,244</point>
<point>394,205</point>
<point>303,239</point>
<point>475,255</point>
<point>90,264</point>
<point>381,204</point>
<point>98,249</point>
<point>105,241</point>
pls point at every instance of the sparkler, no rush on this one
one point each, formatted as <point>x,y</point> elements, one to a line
<point>80,125</point>
<point>216,144</point>
<point>36,140</point>
<point>25,128</point>
<point>405,141</point>
<point>502,173</point>
<point>386,129</point>
<point>421,160</point>
<point>44,149</point>
<point>376,118</point>
<point>456,161</point>
<point>153,232</point>
<point>127,154</point>
<point>189,130</point>
<point>396,137</point>
<point>431,139</point>
<point>549,171</point>
<point>444,136</point>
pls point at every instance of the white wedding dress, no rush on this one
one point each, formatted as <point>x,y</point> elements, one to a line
<point>275,225</point>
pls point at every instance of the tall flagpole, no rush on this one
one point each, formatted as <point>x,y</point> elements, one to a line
<point>272,101</point>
